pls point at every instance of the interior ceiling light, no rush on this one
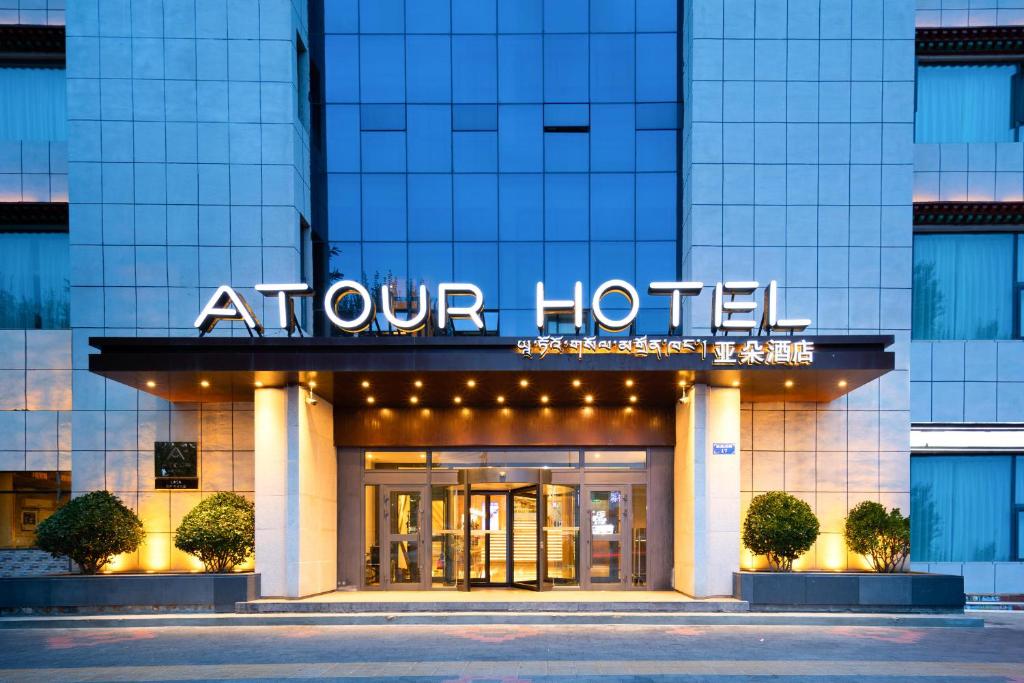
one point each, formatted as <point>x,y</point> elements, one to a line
<point>789,383</point>
<point>501,399</point>
<point>418,383</point>
<point>632,399</point>
<point>471,383</point>
<point>366,384</point>
<point>150,384</point>
<point>576,383</point>
<point>258,384</point>
<point>414,399</point>
<point>371,400</point>
<point>629,382</point>
<point>544,398</point>
<point>524,383</point>
<point>457,399</point>
<point>588,398</point>
<point>842,384</point>
<point>204,384</point>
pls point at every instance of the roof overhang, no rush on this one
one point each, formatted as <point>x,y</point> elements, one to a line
<point>176,368</point>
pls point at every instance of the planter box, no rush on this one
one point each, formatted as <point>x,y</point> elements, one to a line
<point>854,591</point>
<point>73,593</point>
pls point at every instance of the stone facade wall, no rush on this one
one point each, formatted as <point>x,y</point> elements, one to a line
<point>30,562</point>
<point>798,166</point>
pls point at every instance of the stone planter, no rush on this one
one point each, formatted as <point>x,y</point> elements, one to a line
<point>849,591</point>
<point>75,593</point>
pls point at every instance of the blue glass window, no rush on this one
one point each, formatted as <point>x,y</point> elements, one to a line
<point>612,16</point>
<point>476,206</point>
<point>476,152</point>
<point>966,103</point>
<point>656,15</point>
<point>381,16</point>
<point>475,117</point>
<point>520,141</point>
<point>519,68</point>
<point>960,509</point>
<point>33,104</point>
<point>383,152</point>
<point>475,262</point>
<point>656,206</point>
<point>566,152</point>
<point>430,263</point>
<point>344,204</point>
<point>343,142</point>
<point>383,207</point>
<point>612,137</point>
<point>341,16</point>
<point>430,138</point>
<point>521,204</point>
<point>429,77</point>
<point>34,280</point>
<point>474,69</point>
<point>612,68</point>
<point>610,260</point>
<point>565,263</point>
<point>566,63</point>
<point>656,67</point>
<point>611,206</point>
<point>520,16</point>
<point>655,150</point>
<point>382,69</point>
<point>474,16</point>
<point>427,16</point>
<point>566,206</point>
<point>963,286</point>
<point>341,81</point>
<point>430,206</point>
<point>566,16</point>
<point>521,267</point>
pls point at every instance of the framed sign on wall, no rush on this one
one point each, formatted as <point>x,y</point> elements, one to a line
<point>177,464</point>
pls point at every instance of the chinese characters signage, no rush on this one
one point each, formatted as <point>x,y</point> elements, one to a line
<point>750,352</point>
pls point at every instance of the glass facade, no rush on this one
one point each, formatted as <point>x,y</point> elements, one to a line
<point>34,280</point>
<point>503,143</point>
<point>967,103</point>
<point>33,104</point>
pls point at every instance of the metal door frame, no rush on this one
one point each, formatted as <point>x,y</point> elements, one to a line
<point>386,537</point>
<point>625,537</point>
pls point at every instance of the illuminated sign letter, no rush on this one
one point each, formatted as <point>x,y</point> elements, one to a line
<point>471,312</point>
<point>285,305</point>
<point>770,317</point>
<point>573,305</point>
<point>615,287</point>
<point>678,290</point>
<point>226,304</point>
<point>337,294</point>
<point>413,323</point>
<point>722,310</point>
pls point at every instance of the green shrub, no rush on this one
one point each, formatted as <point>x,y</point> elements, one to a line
<point>91,529</point>
<point>780,526</point>
<point>882,536</point>
<point>220,531</point>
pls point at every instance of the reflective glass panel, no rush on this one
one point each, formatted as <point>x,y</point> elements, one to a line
<point>617,459</point>
<point>562,533</point>
<point>372,536</point>
<point>395,460</point>
<point>34,281</point>
<point>26,499</point>
<point>460,459</point>
<point>605,538</point>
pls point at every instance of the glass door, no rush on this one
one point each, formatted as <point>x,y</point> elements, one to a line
<point>606,537</point>
<point>488,536</point>
<point>403,539</point>
<point>528,557</point>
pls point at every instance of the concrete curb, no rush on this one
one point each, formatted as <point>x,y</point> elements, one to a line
<point>470,618</point>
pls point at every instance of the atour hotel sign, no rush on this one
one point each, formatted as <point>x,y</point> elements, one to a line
<point>465,301</point>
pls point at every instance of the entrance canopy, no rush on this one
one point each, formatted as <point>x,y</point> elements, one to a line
<point>396,371</point>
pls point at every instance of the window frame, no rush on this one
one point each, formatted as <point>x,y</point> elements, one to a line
<point>1016,113</point>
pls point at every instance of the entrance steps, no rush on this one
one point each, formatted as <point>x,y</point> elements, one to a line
<point>493,601</point>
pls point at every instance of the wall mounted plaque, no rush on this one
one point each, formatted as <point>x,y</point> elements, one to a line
<point>177,464</point>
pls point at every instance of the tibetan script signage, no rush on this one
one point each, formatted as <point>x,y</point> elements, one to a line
<point>751,352</point>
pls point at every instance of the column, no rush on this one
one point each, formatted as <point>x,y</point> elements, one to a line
<point>296,493</point>
<point>707,491</point>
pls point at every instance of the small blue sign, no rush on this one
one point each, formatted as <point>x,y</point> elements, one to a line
<point>723,448</point>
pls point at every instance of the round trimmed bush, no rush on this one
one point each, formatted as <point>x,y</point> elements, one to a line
<point>220,531</point>
<point>91,530</point>
<point>883,536</point>
<point>780,526</point>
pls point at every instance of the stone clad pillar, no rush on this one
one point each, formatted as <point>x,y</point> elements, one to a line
<point>296,493</point>
<point>707,491</point>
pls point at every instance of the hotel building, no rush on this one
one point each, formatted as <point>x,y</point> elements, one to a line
<point>584,277</point>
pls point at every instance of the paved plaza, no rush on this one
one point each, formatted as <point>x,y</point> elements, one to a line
<point>513,653</point>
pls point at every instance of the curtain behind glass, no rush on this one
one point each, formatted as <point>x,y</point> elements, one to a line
<point>965,103</point>
<point>34,292</point>
<point>959,508</point>
<point>33,104</point>
<point>963,287</point>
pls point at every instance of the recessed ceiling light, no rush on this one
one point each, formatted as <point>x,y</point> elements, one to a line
<point>258,384</point>
<point>414,399</point>
<point>544,398</point>
<point>629,382</point>
<point>682,382</point>
<point>588,398</point>
<point>735,382</point>
<point>524,382</point>
<point>457,399</point>
<point>632,399</point>
<point>204,384</point>
<point>366,384</point>
<point>418,383</point>
<point>150,384</point>
<point>470,383</point>
<point>576,383</point>
<point>500,399</point>
<point>842,383</point>
<point>371,400</point>
<point>789,383</point>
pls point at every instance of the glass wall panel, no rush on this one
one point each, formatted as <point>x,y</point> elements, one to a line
<point>960,508</point>
<point>562,534</point>
<point>34,281</point>
<point>965,103</point>
<point>396,460</point>
<point>33,104</point>
<point>636,460</point>
<point>639,540</point>
<point>26,499</point>
<point>963,286</point>
<point>460,459</point>
<point>371,538</point>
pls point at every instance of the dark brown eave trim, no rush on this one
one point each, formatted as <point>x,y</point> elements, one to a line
<point>960,42</point>
<point>22,45</point>
<point>958,216</point>
<point>33,217</point>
